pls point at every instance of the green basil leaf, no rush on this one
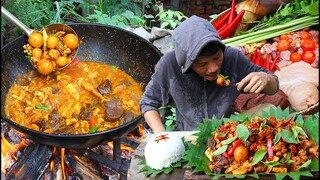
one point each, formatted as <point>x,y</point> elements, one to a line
<point>221,150</point>
<point>300,131</point>
<point>277,138</point>
<point>306,164</point>
<point>288,136</point>
<point>271,164</point>
<point>220,134</point>
<point>228,141</point>
<point>295,134</point>
<point>258,156</point>
<point>242,132</point>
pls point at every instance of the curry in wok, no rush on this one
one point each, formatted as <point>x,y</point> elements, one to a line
<point>83,98</point>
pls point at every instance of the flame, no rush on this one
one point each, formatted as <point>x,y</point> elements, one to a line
<point>122,147</point>
<point>7,152</point>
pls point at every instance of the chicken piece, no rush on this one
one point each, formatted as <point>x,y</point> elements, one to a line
<point>314,151</point>
<point>239,169</point>
<point>279,169</point>
<point>300,82</point>
<point>266,133</point>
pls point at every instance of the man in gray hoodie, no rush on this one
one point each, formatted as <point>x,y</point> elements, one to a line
<point>187,76</point>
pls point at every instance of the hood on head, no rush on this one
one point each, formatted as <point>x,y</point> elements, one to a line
<point>190,37</point>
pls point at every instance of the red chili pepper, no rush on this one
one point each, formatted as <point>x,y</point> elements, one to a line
<point>274,62</point>
<point>222,21</point>
<point>255,145</point>
<point>233,12</point>
<point>259,58</point>
<point>293,150</point>
<point>225,154</point>
<point>287,121</point>
<point>235,145</point>
<point>270,150</point>
<point>231,26</point>
<point>254,56</point>
<point>254,125</point>
<point>92,121</point>
<point>267,62</point>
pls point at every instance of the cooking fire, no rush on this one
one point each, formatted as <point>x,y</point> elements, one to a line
<point>21,158</point>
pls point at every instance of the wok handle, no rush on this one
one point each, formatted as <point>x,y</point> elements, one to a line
<point>15,21</point>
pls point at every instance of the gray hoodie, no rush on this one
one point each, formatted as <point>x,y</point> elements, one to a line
<point>195,98</point>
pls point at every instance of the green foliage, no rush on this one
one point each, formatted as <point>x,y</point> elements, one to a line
<point>170,122</point>
<point>170,19</point>
<point>3,24</point>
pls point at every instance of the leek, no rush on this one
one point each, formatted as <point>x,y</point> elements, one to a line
<point>272,32</point>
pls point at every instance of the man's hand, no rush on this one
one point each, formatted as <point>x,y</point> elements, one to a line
<point>153,119</point>
<point>256,82</point>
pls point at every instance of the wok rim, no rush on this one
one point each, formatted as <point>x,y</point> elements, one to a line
<point>18,127</point>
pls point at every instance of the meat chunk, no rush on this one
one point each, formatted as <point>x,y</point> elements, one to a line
<point>113,110</point>
<point>105,87</point>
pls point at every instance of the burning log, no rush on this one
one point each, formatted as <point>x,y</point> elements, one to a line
<point>82,167</point>
<point>31,164</point>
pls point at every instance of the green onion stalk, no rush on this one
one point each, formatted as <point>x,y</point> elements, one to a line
<point>272,32</point>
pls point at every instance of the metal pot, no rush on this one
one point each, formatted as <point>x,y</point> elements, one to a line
<point>101,43</point>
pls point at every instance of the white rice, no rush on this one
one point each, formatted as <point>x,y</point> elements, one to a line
<point>165,152</point>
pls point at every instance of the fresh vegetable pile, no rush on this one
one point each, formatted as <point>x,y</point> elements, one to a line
<point>276,143</point>
<point>294,16</point>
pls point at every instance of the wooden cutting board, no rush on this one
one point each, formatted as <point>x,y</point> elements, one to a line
<point>177,173</point>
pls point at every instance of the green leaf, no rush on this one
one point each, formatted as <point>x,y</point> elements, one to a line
<point>228,141</point>
<point>305,165</point>
<point>220,150</point>
<point>242,132</point>
<point>314,9</point>
<point>312,127</point>
<point>314,166</point>
<point>300,131</point>
<point>93,129</point>
<point>271,164</point>
<point>288,136</point>
<point>277,138</point>
<point>258,156</point>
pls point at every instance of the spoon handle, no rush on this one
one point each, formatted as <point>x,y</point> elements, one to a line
<point>16,21</point>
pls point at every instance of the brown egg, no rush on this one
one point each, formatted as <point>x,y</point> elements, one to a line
<point>241,153</point>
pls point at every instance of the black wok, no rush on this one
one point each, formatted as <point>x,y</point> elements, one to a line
<point>101,43</point>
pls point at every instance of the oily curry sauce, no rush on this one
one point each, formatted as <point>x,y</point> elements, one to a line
<point>83,98</point>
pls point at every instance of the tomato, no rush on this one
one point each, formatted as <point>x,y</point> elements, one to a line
<point>304,35</point>
<point>308,45</point>
<point>308,56</point>
<point>284,36</point>
<point>220,81</point>
<point>52,41</point>
<point>71,40</point>
<point>283,45</point>
<point>241,153</point>
<point>35,39</point>
<point>295,57</point>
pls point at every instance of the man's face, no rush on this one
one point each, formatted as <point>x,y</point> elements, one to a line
<point>208,66</point>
